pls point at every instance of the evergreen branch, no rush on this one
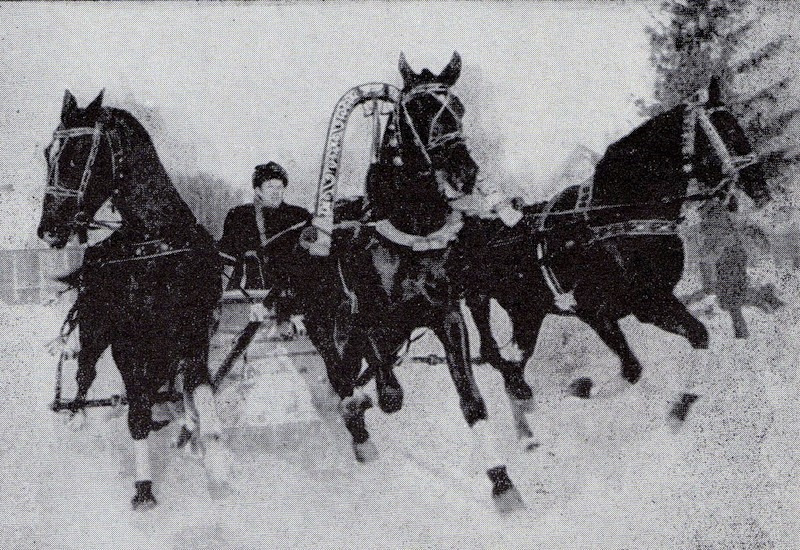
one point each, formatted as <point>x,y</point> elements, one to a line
<point>769,93</point>
<point>757,58</point>
<point>736,36</point>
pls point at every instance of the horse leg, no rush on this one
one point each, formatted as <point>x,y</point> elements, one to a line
<point>520,396</point>
<point>342,374</point>
<point>379,346</point>
<point>138,388</point>
<point>480,307</point>
<point>611,334</point>
<point>88,356</point>
<point>453,334</point>
<point>669,314</point>
<point>197,384</point>
<point>740,329</point>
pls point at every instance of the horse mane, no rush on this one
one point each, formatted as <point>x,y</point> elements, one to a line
<point>148,200</point>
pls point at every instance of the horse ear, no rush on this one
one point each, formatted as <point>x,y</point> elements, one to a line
<point>408,74</point>
<point>69,106</point>
<point>452,71</point>
<point>95,106</point>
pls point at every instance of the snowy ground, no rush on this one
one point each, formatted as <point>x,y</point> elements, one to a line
<point>609,473</point>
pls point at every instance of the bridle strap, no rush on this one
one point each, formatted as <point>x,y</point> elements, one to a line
<point>98,132</point>
<point>56,189</point>
<point>698,115</point>
<point>87,171</point>
<point>433,142</point>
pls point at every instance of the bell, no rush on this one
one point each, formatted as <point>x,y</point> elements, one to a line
<point>393,142</point>
<point>397,161</point>
<point>687,168</point>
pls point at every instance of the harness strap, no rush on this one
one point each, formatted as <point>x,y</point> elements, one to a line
<point>351,295</point>
<point>634,227</point>
<point>262,232</point>
<point>148,250</point>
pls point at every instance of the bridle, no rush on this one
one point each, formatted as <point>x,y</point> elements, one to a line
<point>144,250</point>
<point>55,188</point>
<point>698,115</point>
<point>434,140</point>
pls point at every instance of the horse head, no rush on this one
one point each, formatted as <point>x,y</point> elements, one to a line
<point>79,171</point>
<point>426,136</point>
<point>99,153</point>
<point>722,152</point>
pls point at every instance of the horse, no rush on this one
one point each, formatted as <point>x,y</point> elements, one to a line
<point>609,248</point>
<point>150,289</point>
<point>389,269</point>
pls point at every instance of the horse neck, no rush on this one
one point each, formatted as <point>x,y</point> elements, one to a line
<point>148,202</point>
<point>645,168</point>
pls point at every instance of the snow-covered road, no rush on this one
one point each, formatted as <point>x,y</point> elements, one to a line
<point>609,473</point>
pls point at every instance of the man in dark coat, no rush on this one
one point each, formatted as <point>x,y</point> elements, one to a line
<point>260,240</point>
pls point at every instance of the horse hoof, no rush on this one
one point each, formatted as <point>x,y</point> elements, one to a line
<point>505,495</point>
<point>529,444</point>
<point>215,460</point>
<point>156,425</point>
<point>76,421</point>
<point>526,406</point>
<point>516,386</point>
<point>390,395</point>
<point>631,373</point>
<point>356,404</point>
<point>365,452</point>
<point>143,499</point>
<point>581,387</point>
<point>680,410</point>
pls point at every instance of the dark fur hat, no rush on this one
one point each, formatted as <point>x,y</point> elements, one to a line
<point>269,171</point>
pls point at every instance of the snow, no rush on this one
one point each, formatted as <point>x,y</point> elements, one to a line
<point>610,472</point>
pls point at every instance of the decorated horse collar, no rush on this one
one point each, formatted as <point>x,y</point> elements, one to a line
<point>438,240</point>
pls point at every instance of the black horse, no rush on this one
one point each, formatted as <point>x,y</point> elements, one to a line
<point>150,289</point>
<point>609,248</point>
<point>390,268</point>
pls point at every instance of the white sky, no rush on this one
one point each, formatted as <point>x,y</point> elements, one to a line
<point>242,84</point>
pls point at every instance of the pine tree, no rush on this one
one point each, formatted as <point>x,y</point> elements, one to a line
<point>702,38</point>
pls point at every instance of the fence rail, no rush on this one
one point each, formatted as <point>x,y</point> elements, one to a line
<point>27,275</point>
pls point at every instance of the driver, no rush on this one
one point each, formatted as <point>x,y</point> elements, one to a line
<point>259,240</point>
